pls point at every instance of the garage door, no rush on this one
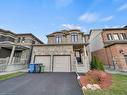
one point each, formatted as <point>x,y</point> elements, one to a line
<point>61,64</point>
<point>45,60</point>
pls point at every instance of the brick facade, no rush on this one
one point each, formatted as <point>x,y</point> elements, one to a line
<point>114,51</point>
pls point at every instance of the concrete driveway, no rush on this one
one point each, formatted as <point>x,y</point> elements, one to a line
<point>42,84</point>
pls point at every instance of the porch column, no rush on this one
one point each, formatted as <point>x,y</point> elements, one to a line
<point>12,54</point>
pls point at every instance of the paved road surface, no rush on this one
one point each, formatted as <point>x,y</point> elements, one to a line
<point>42,84</point>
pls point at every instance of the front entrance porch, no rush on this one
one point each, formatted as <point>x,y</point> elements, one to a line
<point>81,58</point>
<point>12,56</point>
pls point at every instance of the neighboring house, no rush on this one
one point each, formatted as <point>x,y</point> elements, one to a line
<point>16,48</point>
<point>65,48</point>
<point>110,46</point>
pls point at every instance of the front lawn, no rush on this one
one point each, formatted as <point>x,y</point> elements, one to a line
<point>119,87</point>
<point>8,76</point>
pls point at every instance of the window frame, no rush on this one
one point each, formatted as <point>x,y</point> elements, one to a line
<point>19,40</point>
<point>23,39</point>
<point>123,36</point>
<point>58,39</point>
<point>109,37</point>
<point>116,35</point>
<point>74,37</point>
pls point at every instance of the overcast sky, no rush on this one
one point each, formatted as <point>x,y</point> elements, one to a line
<point>42,17</point>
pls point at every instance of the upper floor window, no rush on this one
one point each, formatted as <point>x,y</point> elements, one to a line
<point>74,37</point>
<point>115,36</point>
<point>18,40</point>
<point>23,39</point>
<point>109,36</point>
<point>58,39</point>
<point>123,36</point>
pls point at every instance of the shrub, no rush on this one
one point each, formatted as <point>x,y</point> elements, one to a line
<point>96,64</point>
<point>101,78</point>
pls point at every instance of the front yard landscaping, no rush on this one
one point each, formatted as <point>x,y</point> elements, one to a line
<point>98,82</point>
<point>118,87</point>
<point>8,76</point>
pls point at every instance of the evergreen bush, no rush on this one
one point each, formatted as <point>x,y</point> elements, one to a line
<point>96,64</point>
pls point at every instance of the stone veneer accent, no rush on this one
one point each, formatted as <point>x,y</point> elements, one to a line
<point>53,50</point>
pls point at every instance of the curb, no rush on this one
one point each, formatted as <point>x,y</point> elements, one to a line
<point>78,79</point>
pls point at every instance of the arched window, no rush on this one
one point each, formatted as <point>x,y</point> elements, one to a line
<point>74,37</point>
<point>58,39</point>
<point>18,40</point>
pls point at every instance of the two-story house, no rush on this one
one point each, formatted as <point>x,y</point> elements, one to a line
<point>65,48</point>
<point>110,46</point>
<point>16,48</point>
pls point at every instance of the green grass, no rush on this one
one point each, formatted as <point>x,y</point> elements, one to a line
<point>8,76</point>
<point>119,87</point>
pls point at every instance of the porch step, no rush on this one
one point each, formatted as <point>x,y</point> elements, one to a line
<point>81,69</point>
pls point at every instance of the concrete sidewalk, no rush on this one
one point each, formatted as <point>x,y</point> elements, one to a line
<point>116,72</point>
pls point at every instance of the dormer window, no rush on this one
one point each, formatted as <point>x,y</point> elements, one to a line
<point>58,39</point>
<point>74,37</point>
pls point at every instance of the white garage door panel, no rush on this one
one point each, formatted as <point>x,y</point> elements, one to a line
<point>45,60</point>
<point>61,64</point>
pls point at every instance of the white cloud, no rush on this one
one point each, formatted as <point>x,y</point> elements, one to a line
<point>105,19</point>
<point>122,7</point>
<point>70,26</point>
<point>63,3</point>
<point>89,17</point>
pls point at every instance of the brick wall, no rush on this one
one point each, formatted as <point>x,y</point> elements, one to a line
<point>101,54</point>
<point>120,56</point>
<point>106,55</point>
